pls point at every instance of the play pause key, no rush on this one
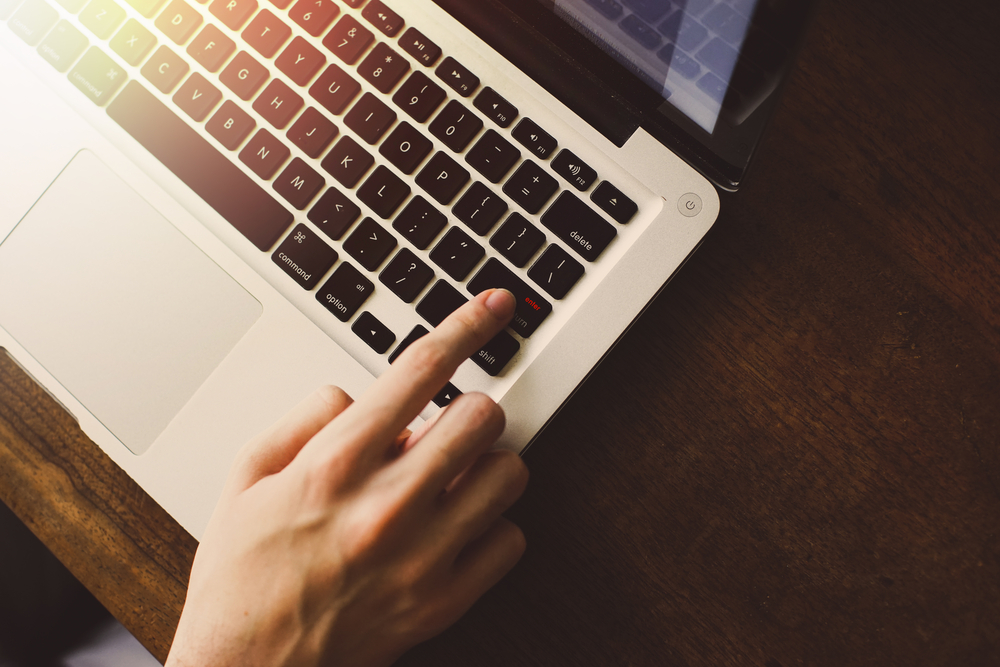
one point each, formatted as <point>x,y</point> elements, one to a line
<point>374,333</point>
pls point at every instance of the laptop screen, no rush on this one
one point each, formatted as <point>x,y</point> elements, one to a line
<point>685,50</point>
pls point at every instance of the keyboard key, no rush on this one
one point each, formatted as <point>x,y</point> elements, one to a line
<point>724,20</point>
<point>197,97</point>
<point>383,192</point>
<point>7,8</point>
<point>244,76</point>
<point>530,186</point>
<point>300,61</point>
<point>264,154</point>
<point>419,222</point>
<point>345,291</point>
<point>406,148</point>
<point>446,395</point>
<point>299,184</point>
<point>579,226</point>
<point>281,4</point>
<point>179,21</point>
<point>496,108</point>
<point>377,336</point>
<point>517,240</point>
<point>222,184</point>
<point>72,6</point>
<point>684,31</point>
<point>383,68</point>
<point>231,125</point>
<point>278,104</point>
<point>233,13</point>
<point>556,271</point>
<point>679,61</point>
<point>456,126</point>
<point>63,46</point>
<point>97,76</point>
<point>211,48</point>
<point>369,244</point>
<point>649,10</point>
<point>406,275</point>
<point>370,118</point>
<point>312,132</point>
<point>419,97</point>
<point>266,33</point>
<point>479,208</point>
<point>457,254</point>
<point>165,70</point>
<point>535,139</point>
<point>493,156</point>
<point>33,20</point>
<point>102,17</point>
<point>148,8</point>
<point>416,334</point>
<point>440,302</point>
<point>611,200</point>
<point>334,89</point>
<point>531,309</point>
<point>458,78</point>
<point>609,8</point>
<point>348,39</point>
<point>574,170</point>
<point>423,50</point>
<point>497,353</point>
<point>314,15</point>
<point>387,21</point>
<point>334,213</point>
<point>305,257</point>
<point>442,178</point>
<point>133,42</point>
<point>348,162</point>
<point>640,32</point>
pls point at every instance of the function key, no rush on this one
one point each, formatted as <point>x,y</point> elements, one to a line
<point>574,170</point>
<point>440,302</point>
<point>348,39</point>
<point>579,226</point>
<point>375,334</point>
<point>456,126</point>
<point>406,275</point>
<point>266,33</point>
<point>314,15</point>
<point>556,271</point>
<point>461,80</point>
<point>387,21</point>
<point>345,291</point>
<point>369,244</point>
<point>532,308</point>
<point>614,203</point>
<point>233,13</point>
<point>535,139</point>
<point>496,108</point>
<point>304,256</point>
<point>423,50</point>
<point>383,68</point>
<point>530,186</point>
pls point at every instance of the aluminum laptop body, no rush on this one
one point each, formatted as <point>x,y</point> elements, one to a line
<point>211,209</point>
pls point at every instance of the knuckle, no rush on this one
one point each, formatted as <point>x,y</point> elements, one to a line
<point>335,398</point>
<point>426,356</point>
<point>481,409</point>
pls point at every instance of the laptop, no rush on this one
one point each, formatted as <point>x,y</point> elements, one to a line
<point>211,209</point>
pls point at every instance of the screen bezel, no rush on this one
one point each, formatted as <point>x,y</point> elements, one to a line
<point>615,101</point>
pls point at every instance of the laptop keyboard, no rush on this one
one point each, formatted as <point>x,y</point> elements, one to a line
<point>497,202</point>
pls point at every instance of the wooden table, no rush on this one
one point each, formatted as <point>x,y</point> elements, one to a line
<point>793,458</point>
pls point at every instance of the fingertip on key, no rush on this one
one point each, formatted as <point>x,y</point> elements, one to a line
<point>501,303</point>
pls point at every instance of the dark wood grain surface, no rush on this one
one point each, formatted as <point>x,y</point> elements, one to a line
<point>793,458</point>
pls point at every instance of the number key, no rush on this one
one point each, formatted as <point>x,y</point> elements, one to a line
<point>419,97</point>
<point>314,15</point>
<point>456,126</point>
<point>383,68</point>
<point>348,39</point>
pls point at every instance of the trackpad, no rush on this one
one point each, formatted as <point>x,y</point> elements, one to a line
<point>116,303</point>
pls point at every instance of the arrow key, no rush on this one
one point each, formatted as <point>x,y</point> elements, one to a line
<point>374,333</point>
<point>614,203</point>
<point>447,395</point>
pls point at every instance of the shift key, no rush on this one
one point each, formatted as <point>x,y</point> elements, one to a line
<point>531,309</point>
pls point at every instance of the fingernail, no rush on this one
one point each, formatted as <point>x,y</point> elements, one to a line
<point>501,304</point>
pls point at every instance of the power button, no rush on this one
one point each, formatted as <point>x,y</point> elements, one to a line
<point>689,205</point>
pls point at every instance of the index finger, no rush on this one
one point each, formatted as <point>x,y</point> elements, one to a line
<point>399,394</point>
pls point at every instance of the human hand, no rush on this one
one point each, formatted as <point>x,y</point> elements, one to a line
<point>341,538</point>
